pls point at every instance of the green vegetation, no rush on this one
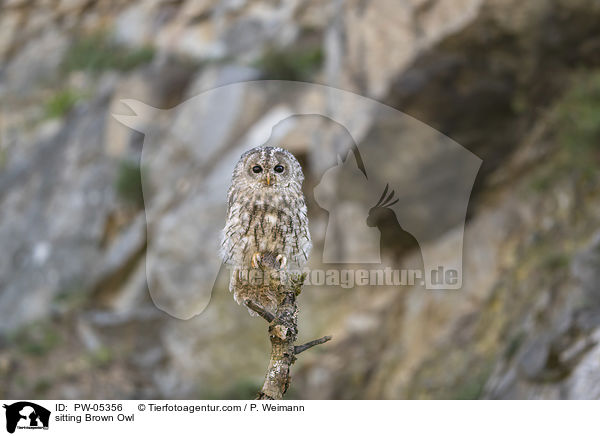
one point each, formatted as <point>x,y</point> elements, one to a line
<point>98,52</point>
<point>579,115</point>
<point>471,389</point>
<point>576,126</point>
<point>555,260</point>
<point>36,339</point>
<point>291,64</point>
<point>128,183</point>
<point>69,299</point>
<point>101,357</point>
<point>42,386</point>
<point>514,344</point>
<point>61,103</point>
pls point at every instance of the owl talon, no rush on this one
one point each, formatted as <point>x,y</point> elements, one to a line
<point>256,260</point>
<point>282,261</point>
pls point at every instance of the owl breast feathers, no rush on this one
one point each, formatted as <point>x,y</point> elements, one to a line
<point>267,223</point>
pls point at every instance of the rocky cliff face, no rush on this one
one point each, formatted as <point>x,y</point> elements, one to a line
<point>516,84</point>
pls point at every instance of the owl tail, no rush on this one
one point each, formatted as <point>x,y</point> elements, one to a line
<point>244,290</point>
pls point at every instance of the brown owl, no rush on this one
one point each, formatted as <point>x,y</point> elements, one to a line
<point>267,224</point>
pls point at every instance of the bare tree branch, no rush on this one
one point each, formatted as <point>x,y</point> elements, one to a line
<point>268,316</point>
<point>300,348</point>
<point>283,330</point>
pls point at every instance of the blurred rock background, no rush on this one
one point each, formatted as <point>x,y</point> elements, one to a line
<point>517,83</point>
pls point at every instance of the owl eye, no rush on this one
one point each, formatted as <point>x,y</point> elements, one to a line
<point>257,169</point>
<point>278,168</point>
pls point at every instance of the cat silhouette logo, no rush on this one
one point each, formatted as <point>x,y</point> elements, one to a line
<point>380,184</point>
<point>26,415</point>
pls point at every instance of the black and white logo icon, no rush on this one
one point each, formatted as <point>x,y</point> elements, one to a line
<point>26,415</point>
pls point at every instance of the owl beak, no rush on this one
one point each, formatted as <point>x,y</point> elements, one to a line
<point>268,180</point>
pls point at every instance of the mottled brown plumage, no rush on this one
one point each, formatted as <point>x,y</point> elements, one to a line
<point>267,225</point>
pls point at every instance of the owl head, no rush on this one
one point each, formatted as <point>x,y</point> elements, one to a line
<point>269,168</point>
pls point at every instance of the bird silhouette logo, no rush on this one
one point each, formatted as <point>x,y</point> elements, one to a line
<point>421,178</point>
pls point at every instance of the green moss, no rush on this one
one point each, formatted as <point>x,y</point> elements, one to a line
<point>290,64</point>
<point>98,52</point>
<point>128,183</point>
<point>61,103</point>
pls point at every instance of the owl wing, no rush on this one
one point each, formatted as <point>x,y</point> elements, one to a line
<point>231,250</point>
<point>299,237</point>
